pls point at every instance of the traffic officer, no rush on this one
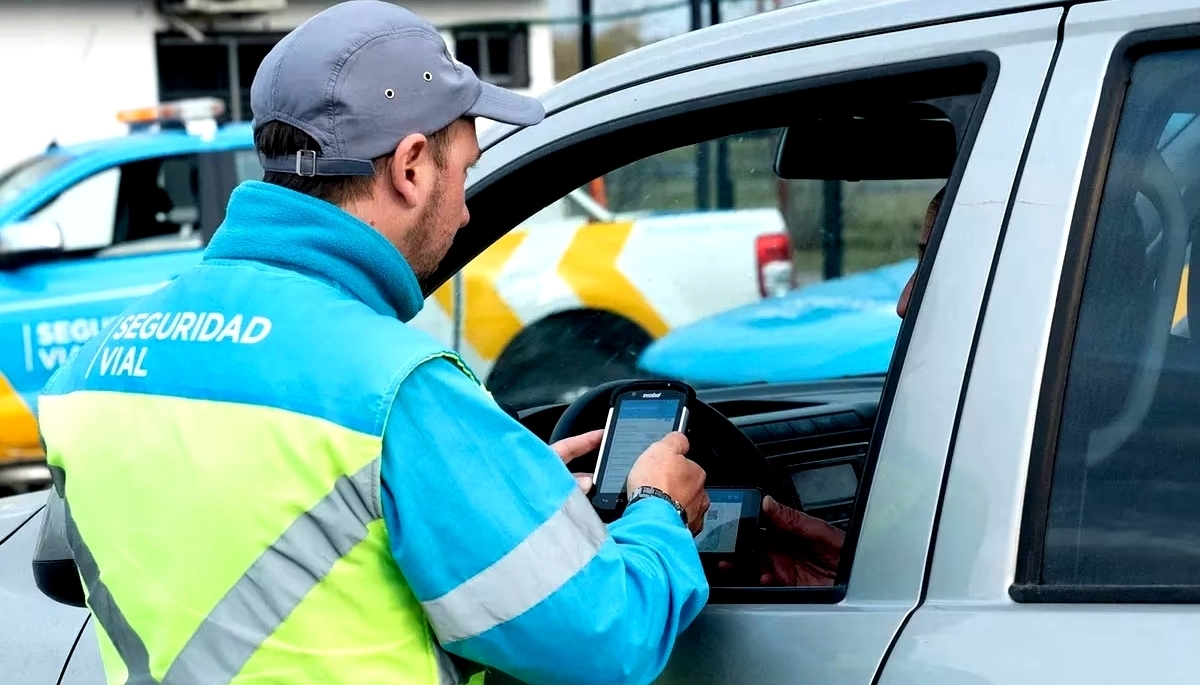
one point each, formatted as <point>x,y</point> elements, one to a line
<point>269,477</point>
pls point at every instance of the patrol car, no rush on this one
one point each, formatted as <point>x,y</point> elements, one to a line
<point>1020,491</point>
<point>87,229</point>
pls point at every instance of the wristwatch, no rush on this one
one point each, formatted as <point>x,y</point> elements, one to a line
<point>648,491</point>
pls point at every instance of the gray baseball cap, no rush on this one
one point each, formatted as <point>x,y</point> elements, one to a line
<point>361,76</point>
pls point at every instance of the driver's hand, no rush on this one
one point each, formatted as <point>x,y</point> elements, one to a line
<point>665,467</point>
<point>801,550</point>
<point>568,449</point>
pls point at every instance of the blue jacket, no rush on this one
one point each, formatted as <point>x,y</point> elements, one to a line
<point>471,497</point>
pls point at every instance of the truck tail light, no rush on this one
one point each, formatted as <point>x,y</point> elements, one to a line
<point>773,257</point>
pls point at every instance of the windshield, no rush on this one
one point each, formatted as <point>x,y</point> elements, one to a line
<point>17,180</point>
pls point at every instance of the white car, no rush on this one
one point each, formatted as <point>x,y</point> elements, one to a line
<point>1021,491</point>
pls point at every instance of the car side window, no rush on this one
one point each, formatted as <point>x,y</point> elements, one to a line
<point>1124,501</point>
<point>132,207</point>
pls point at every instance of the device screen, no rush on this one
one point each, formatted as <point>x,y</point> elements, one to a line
<point>638,424</point>
<point>721,522</point>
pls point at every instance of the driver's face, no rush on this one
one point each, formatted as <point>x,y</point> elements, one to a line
<point>930,217</point>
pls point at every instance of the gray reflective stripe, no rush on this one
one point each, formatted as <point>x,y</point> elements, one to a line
<point>278,581</point>
<point>448,673</point>
<point>521,579</point>
<point>129,644</point>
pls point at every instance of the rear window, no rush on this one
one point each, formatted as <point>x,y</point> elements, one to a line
<point>17,180</point>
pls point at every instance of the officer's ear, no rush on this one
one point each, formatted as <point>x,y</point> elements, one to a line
<point>412,169</point>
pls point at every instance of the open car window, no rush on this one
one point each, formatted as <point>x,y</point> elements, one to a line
<point>757,244</point>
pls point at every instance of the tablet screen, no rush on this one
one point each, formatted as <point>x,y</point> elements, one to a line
<point>721,523</point>
<point>639,424</point>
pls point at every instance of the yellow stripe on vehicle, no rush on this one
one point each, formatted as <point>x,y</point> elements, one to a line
<point>1181,300</point>
<point>488,322</point>
<point>19,437</point>
<point>589,266</point>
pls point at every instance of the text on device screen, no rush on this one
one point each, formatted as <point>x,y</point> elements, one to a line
<point>721,523</point>
<point>639,424</point>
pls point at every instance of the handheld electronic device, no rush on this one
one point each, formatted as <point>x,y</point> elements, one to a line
<point>731,526</point>
<point>639,414</point>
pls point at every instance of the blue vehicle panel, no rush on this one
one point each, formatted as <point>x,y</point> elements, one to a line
<point>50,307</point>
<point>836,328</point>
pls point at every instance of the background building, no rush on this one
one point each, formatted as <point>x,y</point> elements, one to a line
<point>71,65</point>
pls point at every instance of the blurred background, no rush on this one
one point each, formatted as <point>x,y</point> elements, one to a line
<point>73,64</point>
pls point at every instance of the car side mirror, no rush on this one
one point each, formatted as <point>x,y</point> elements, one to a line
<point>54,569</point>
<point>30,238</point>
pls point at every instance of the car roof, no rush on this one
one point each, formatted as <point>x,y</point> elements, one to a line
<point>809,22</point>
<point>165,142</point>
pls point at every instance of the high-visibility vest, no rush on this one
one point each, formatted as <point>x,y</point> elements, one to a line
<point>221,472</point>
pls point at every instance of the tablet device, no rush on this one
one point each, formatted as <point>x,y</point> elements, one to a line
<point>731,526</point>
<point>639,415</point>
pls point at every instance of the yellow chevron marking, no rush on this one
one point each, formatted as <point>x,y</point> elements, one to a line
<point>488,322</point>
<point>19,437</point>
<point>1181,301</point>
<point>589,266</point>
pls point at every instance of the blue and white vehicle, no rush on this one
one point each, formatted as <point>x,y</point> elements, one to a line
<point>87,229</point>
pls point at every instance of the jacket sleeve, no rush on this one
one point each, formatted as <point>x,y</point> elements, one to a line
<point>511,564</point>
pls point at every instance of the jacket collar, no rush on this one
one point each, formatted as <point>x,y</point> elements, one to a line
<point>287,229</point>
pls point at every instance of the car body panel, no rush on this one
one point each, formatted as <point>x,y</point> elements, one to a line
<point>830,329</point>
<point>804,23</point>
<point>16,511</point>
<point>969,628</point>
<point>38,630</point>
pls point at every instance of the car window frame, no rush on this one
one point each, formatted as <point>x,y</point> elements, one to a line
<point>215,182</point>
<point>490,203</point>
<point>1027,586</point>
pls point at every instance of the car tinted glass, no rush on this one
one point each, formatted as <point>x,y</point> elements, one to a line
<point>1125,497</point>
<point>17,180</point>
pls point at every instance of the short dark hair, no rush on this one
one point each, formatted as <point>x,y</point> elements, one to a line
<point>277,139</point>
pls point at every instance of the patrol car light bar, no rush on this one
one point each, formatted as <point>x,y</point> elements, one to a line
<point>178,110</point>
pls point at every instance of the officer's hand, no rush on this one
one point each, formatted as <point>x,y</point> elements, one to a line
<point>665,467</point>
<point>568,449</point>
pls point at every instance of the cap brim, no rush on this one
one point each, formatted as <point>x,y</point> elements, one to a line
<point>507,107</point>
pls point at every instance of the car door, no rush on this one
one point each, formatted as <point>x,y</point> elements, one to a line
<point>836,634</point>
<point>126,230</point>
<point>1067,543</point>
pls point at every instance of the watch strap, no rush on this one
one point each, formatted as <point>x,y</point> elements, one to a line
<point>648,491</point>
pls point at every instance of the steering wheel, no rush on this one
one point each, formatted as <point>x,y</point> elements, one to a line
<point>728,457</point>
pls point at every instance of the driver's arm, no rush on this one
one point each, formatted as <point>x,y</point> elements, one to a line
<point>505,554</point>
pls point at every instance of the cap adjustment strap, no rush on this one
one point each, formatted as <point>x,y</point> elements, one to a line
<point>300,156</point>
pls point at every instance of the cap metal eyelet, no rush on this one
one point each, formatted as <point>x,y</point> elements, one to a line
<point>428,76</point>
<point>389,93</point>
